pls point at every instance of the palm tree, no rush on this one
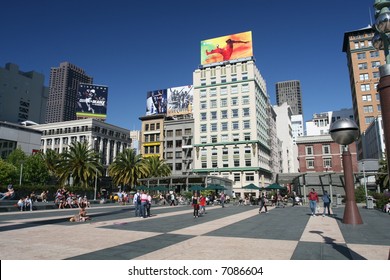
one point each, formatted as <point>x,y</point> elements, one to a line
<point>51,159</point>
<point>81,162</point>
<point>156,167</point>
<point>127,168</point>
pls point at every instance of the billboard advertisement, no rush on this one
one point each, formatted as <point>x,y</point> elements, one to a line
<point>226,48</point>
<point>180,100</point>
<point>91,101</point>
<point>156,102</point>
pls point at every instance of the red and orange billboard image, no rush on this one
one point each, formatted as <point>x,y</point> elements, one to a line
<point>225,48</point>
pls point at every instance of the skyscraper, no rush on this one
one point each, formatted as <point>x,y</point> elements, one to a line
<point>363,62</point>
<point>290,92</point>
<point>23,95</point>
<point>63,86</point>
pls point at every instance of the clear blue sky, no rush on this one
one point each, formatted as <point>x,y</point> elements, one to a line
<point>137,46</point>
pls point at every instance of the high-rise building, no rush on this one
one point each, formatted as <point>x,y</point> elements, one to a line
<point>363,62</point>
<point>23,95</point>
<point>231,114</point>
<point>290,92</point>
<point>63,87</point>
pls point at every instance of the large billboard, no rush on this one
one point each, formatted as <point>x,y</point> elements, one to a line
<point>91,101</point>
<point>156,102</point>
<point>226,48</point>
<point>180,100</point>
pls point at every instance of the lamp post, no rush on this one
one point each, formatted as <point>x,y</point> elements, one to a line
<point>21,173</point>
<point>96,174</point>
<point>381,41</point>
<point>345,132</point>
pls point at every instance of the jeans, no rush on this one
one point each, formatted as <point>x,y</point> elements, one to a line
<point>313,206</point>
<point>137,209</point>
<point>326,206</point>
<point>143,209</point>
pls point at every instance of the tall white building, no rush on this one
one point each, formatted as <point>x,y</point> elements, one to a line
<point>289,156</point>
<point>231,124</point>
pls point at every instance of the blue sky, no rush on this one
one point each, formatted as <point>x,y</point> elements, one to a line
<point>137,46</point>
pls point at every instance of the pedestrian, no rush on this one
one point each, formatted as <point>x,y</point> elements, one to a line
<point>137,204</point>
<point>195,205</point>
<point>148,205</point>
<point>263,200</point>
<point>313,199</point>
<point>222,199</point>
<point>326,199</point>
<point>144,202</point>
<point>202,204</point>
<point>172,200</point>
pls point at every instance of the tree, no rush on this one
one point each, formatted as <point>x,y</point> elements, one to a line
<point>80,162</point>
<point>156,167</point>
<point>127,168</point>
<point>383,176</point>
<point>35,171</point>
<point>8,173</point>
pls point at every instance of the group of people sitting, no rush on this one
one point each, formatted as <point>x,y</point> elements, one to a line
<point>65,199</point>
<point>25,203</point>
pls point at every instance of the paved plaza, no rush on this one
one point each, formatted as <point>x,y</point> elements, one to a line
<point>230,233</point>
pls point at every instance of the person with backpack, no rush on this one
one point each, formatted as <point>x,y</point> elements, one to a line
<point>137,204</point>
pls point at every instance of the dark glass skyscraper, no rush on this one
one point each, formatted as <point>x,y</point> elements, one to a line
<point>290,92</point>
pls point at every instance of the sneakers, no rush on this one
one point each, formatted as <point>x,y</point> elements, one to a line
<point>323,215</point>
<point>313,214</point>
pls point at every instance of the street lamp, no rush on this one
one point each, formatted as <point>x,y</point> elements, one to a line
<point>381,41</point>
<point>344,132</point>
<point>96,173</point>
<point>21,173</point>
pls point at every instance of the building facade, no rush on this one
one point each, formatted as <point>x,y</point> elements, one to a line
<point>152,135</point>
<point>108,140</point>
<point>63,86</point>
<point>320,153</point>
<point>363,62</point>
<point>13,136</point>
<point>290,92</point>
<point>373,141</point>
<point>23,95</point>
<point>231,124</point>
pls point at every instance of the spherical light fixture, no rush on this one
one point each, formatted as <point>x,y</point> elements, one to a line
<point>377,41</point>
<point>383,22</point>
<point>344,131</point>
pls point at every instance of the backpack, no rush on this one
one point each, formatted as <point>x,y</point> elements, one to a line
<point>138,198</point>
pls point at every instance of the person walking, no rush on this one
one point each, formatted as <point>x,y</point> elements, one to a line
<point>137,204</point>
<point>262,200</point>
<point>313,199</point>
<point>327,201</point>
<point>202,204</point>
<point>144,203</point>
<point>195,205</point>
<point>222,199</point>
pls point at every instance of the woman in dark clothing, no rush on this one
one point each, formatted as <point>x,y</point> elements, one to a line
<point>262,203</point>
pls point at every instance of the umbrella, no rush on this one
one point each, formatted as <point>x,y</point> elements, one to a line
<point>196,188</point>
<point>251,187</point>
<point>275,186</point>
<point>159,188</point>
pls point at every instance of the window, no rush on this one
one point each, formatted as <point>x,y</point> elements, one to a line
<point>179,132</point>
<point>178,154</point>
<point>327,162</point>
<point>236,150</point>
<point>234,78</point>
<point>214,139</point>
<point>214,164</point>
<point>378,107</point>
<point>369,119</point>
<point>361,56</point>
<point>213,92</point>
<point>246,124</point>
<point>225,164</point>
<point>203,82</point>
<point>362,66</point>
<point>310,163</point>
<point>326,149</point>
<point>203,93</point>
<point>152,126</point>
<point>245,88</point>
<point>203,127</point>
<point>203,105</point>
<point>214,115</point>
<point>374,54</point>
<point>225,151</point>
<point>223,90</point>
<point>249,177</point>
<point>366,98</point>
<point>178,166</point>
<point>235,126</point>
<point>244,77</point>
<point>169,155</point>
<point>365,87</point>
<point>213,103</point>
<point>147,127</point>
<point>237,177</point>
<point>225,137</point>
<point>368,109</point>
<point>213,81</point>
<point>224,114</point>
<point>375,75</point>
<point>213,127</point>
<point>203,116</point>
<point>363,77</point>
<point>203,139</point>
<point>223,102</point>
<point>178,143</point>
<point>234,101</point>
<point>169,144</point>
<point>245,100</point>
<point>169,133</point>
<point>248,162</point>
<point>234,113</point>
<point>224,126</point>
<point>375,64</point>
<point>236,137</point>
<point>247,136</point>
<point>236,163</point>
<point>214,152</point>
<point>309,150</point>
<point>245,112</point>
<point>223,79</point>
<point>204,164</point>
<point>234,90</point>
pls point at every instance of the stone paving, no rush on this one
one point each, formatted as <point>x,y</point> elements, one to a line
<point>230,233</point>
